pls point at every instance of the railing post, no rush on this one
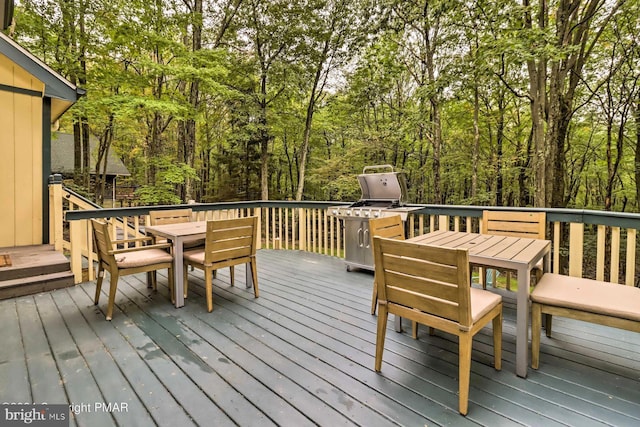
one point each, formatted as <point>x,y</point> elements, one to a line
<point>75,237</point>
<point>56,219</point>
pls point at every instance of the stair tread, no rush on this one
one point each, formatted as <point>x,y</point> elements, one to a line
<point>31,261</point>
<point>34,279</point>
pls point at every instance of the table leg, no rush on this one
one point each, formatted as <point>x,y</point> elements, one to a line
<point>249,275</point>
<point>522,322</point>
<point>398,323</point>
<point>178,271</point>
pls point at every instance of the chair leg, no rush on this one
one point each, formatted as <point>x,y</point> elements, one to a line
<point>233,275</point>
<point>414,330</point>
<point>374,297</point>
<point>151,280</point>
<point>497,341</point>
<point>547,324</point>
<point>112,294</point>
<point>254,276</point>
<point>383,315</point>
<point>98,284</point>
<point>208,280</point>
<point>536,325</point>
<point>464,371</point>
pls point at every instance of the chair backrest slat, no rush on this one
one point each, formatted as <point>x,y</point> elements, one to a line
<point>390,227</point>
<point>515,224</point>
<point>428,278</point>
<point>172,216</point>
<point>102,242</point>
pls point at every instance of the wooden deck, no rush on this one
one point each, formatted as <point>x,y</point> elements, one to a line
<point>301,354</point>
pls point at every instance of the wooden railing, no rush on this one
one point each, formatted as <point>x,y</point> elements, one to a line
<point>593,244</point>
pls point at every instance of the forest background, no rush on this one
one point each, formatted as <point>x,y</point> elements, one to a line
<point>516,103</point>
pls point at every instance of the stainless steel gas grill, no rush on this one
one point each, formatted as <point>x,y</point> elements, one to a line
<point>383,194</point>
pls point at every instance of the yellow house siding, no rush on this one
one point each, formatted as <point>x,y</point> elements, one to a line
<point>20,158</point>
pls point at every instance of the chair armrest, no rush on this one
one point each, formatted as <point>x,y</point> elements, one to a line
<point>140,248</point>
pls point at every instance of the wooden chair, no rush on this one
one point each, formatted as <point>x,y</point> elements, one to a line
<point>229,242</point>
<point>515,224</point>
<point>128,260</point>
<point>390,227</point>
<point>431,285</point>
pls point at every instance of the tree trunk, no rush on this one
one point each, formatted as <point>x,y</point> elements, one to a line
<point>102,153</point>
<point>187,142</point>
<point>499,149</point>
<point>637,118</point>
<point>537,70</point>
<point>264,140</point>
<point>304,150</point>
<point>475,152</point>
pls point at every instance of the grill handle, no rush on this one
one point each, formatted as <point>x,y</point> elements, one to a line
<point>360,240</point>
<point>365,237</point>
<point>377,167</point>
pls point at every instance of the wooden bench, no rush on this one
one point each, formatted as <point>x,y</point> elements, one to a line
<point>589,300</point>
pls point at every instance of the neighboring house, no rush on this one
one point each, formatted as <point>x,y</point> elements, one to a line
<point>32,98</point>
<point>62,162</point>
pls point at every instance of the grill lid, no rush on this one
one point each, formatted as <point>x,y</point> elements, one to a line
<point>380,187</point>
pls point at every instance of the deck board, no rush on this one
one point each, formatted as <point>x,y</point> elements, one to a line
<point>149,390</point>
<point>301,354</point>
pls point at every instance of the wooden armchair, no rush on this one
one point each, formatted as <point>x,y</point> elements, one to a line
<point>515,224</point>
<point>431,285</point>
<point>128,260</point>
<point>229,242</point>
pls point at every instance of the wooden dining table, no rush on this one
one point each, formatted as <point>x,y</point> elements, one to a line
<point>178,234</point>
<point>519,254</point>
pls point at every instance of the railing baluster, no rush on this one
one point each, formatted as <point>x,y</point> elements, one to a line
<point>630,269</point>
<point>286,228</point>
<point>600,252</point>
<point>556,245</point>
<point>615,255</point>
<point>576,242</point>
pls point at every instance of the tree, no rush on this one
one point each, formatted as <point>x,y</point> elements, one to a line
<point>560,42</point>
<point>333,29</point>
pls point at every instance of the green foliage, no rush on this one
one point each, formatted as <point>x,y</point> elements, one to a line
<point>163,191</point>
<point>375,101</point>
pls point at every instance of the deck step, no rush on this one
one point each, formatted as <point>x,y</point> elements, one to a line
<point>27,261</point>
<point>35,284</point>
<point>33,269</point>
